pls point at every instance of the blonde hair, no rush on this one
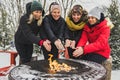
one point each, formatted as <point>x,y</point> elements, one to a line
<point>31,18</point>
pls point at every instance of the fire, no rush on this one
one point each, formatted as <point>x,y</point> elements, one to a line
<point>57,67</point>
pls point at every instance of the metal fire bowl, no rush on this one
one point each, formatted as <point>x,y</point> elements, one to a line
<point>39,70</point>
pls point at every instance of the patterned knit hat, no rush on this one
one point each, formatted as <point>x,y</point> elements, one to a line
<point>54,5</point>
<point>36,6</point>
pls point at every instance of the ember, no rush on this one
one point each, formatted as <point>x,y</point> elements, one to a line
<point>57,67</point>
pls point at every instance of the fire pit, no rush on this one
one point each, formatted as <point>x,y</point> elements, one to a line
<point>39,70</point>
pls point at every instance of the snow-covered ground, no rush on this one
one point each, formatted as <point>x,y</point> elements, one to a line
<point>115,73</point>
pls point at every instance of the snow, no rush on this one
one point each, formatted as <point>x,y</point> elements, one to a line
<point>6,58</point>
<point>114,76</point>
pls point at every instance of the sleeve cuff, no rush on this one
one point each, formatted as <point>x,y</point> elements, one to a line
<point>41,42</point>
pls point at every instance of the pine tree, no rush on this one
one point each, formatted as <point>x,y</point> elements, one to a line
<point>4,30</point>
<point>114,15</point>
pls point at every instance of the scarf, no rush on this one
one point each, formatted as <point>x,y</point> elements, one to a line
<point>74,27</point>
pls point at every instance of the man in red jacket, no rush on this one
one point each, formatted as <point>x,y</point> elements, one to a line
<point>96,33</point>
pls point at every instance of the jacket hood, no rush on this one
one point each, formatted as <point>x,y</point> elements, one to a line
<point>28,8</point>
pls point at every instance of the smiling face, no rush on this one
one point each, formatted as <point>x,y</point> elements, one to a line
<point>92,20</point>
<point>37,14</point>
<point>76,17</point>
<point>76,13</point>
<point>56,14</point>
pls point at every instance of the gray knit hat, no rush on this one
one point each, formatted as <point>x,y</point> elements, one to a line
<point>96,12</point>
<point>36,6</point>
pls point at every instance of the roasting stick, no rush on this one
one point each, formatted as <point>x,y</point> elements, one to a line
<point>63,54</point>
<point>66,54</point>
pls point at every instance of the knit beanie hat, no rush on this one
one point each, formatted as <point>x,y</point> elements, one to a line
<point>53,6</point>
<point>96,12</point>
<point>36,6</point>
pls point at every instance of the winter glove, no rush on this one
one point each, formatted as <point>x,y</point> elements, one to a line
<point>78,52</point>
<point>67,43</point>
<point>72,45</point>
<point>59,44</point>
<point>47,45</point>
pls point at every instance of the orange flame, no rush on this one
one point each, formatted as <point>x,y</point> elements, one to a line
<point>56,67</point>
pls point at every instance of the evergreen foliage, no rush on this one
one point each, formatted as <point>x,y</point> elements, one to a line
<point>114,15</point>
<point>5,36</point>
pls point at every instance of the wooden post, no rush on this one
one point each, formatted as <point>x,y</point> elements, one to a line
<point>108,66</point>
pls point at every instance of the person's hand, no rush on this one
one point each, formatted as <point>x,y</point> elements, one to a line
<point>78,52</point>
<point>59,44</point>
<point>47,41</point>
<point>47,45</point>
<point>72,45</point>
<point>67,43</point>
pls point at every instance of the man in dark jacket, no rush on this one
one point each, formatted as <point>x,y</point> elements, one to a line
<point>29,27</point>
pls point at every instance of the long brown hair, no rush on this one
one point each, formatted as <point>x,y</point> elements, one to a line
<point>78,9</point>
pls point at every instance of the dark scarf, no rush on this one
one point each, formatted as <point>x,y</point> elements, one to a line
<point>52,19</point>
<point>93,25</point>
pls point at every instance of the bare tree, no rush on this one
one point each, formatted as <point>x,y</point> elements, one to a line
<point>66,5</point>
<point>44,4</point>
<point>14,9</point>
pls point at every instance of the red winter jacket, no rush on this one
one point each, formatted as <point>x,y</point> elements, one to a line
<point>97,37</point>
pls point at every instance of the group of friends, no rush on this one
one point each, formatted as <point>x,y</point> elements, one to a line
<point>84,34</point>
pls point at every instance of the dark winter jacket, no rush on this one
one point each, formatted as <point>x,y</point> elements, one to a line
<point>75,35</point>
<point>27,33</point>
<point>97,37</point>
<point>54,29</point>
